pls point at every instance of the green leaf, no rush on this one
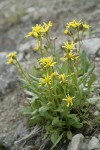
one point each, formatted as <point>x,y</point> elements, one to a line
<point>64,67</point>
<point>36,119</point>
<point>26,111</point>
<point>34,78</point>
<point>43,110</point>
<point>57,122</point>
<point>92,79</point>
<point>55,138</point>
<point>78,125</point>
<point>84,61</point>
<point>69,135</point>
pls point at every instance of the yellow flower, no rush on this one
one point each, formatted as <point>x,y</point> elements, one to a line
<point>69,45</point>
<point>62,78</point>
<point>45,81</point>
<point>71,56</point>
<point>85,26</point>
<point>69,100</point>
<point>54,74</point>
<point>12,55</point>
<point>10,61</point>
<point>36,31</point>
<point>74,24</point>
<point>46,26</point>
<point>47,62</point>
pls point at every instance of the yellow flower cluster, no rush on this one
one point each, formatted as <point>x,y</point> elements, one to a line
<point>47,62</point>
<point>75,25</point>
<point>69,47</point>
<point>12,57</point>
<point>39,30</point>
<point>69,100</point>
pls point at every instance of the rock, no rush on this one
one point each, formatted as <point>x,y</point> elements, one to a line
<point>24,48</point>
<point>84,146</point>
<point>93,144</point>
<point>93,100</point>
<point>99,137</point>
<point>7,139</point>
<point>96,113</point>
<point>8,75</point>
<point>91,46</point>
<point>76,142</point>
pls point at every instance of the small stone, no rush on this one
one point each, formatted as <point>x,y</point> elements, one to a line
<point>93,100</point>
<point>97,59</point>
<point>96,113</point>
<point>93,144</point>
<point>76,142</point>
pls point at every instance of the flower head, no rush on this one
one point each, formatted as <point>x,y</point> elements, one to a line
<point>69,100</point>
<point>63,78</point>
<point>10,61</point>
<point>46,26</point>
<point>36,31</point>
<point>74,24</point>
<point>85,26</point>
<point>71,56</point>
<point>54,74</point>
<point>39,30</point>
<point>45,81</point>
<point>12,57</point>
<point>69,45</point>
<point>47,62</point>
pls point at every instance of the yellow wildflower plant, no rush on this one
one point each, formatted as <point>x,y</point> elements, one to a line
<point>69,100</point>
<point>69,45</point>
<point>49,83</point>
<point>47,62</point>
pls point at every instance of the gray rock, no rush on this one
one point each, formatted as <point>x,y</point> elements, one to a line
<point>93,144</point>
<point>91,46</point>
<point>93,100</point>
<point>26,46</point>
<point>8,76</point>
<point>99,137</point>
<point>96,113</point>
<point>76,142</point>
